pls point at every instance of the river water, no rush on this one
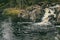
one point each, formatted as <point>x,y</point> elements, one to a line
<point>26,31</point>
<point>44,30</point>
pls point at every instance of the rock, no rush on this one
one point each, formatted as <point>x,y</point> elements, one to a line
<point>58,8</point>
<point>34,12</point>
<point>58,19</point>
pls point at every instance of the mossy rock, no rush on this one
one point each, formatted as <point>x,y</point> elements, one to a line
<point>11,12</point>
<point>16,14</point>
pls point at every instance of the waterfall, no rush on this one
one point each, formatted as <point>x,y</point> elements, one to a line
<point>46,18</point>
<point>7,30</point>
<point>57,5</point>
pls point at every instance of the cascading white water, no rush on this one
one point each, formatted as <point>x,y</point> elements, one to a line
<point>45,19</point>
<point>57,5</point>
<point>7,30</point>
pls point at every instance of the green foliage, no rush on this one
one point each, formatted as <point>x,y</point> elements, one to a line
<point>24,3</point>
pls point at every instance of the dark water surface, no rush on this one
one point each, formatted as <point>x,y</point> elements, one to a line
<point>10,31</point>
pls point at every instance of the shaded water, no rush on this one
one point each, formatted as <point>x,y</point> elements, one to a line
<point>25,32</point>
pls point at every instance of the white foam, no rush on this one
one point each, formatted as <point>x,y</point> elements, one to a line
<point>45,19</point>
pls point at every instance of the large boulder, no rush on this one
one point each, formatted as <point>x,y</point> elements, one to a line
<point>32,13</point>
